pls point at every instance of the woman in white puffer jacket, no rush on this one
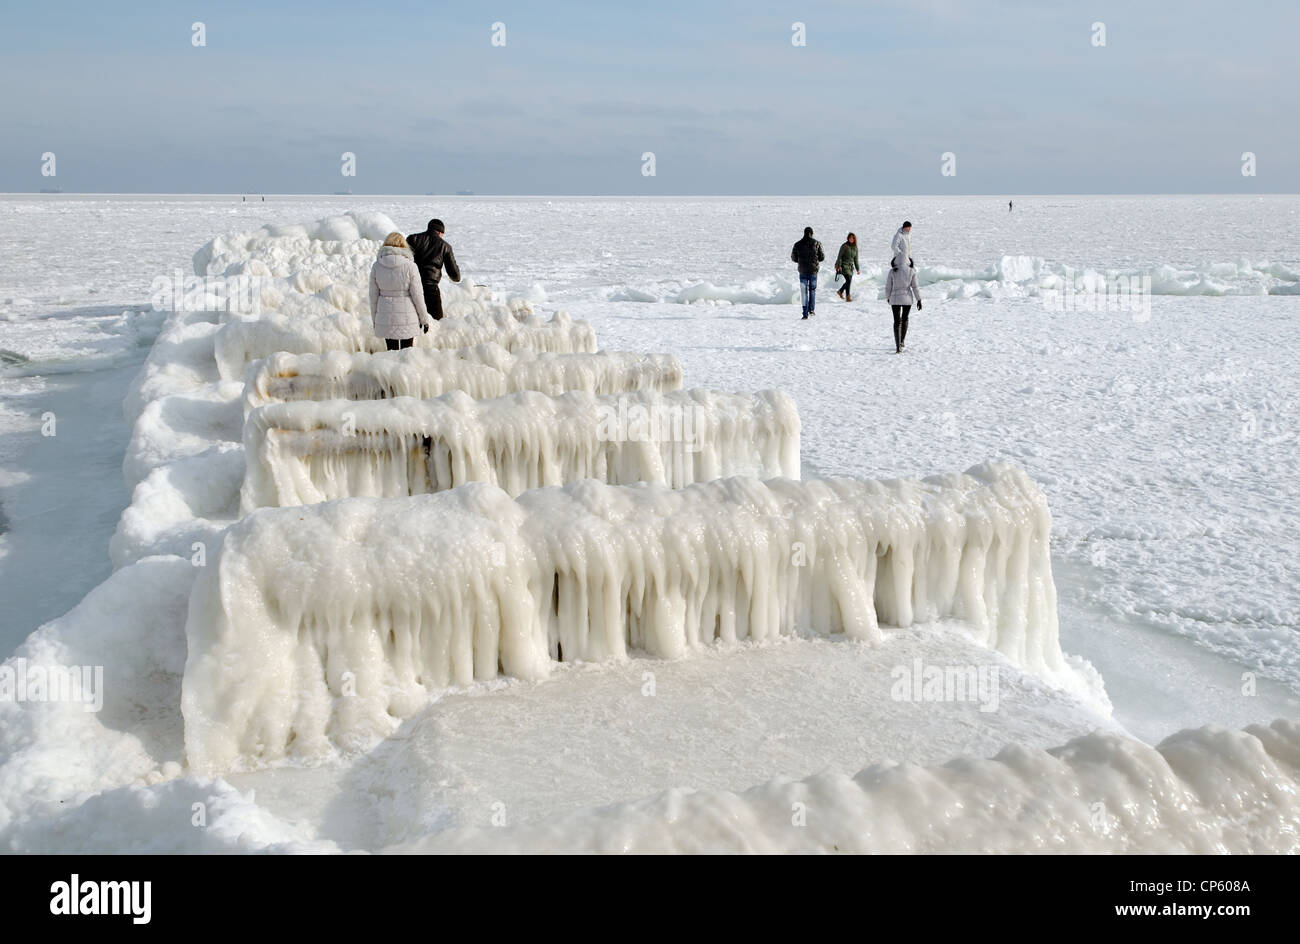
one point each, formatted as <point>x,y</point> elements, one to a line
<point>396,296</point>
<point>900,291</point>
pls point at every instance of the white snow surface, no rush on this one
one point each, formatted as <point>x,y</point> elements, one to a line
<point>1205,791</point>
<point>1161,442</point>
<point>305,451</point>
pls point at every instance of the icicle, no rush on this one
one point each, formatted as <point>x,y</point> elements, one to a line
<point>407,596</point>
<point>482,371</point>
<point>303,452</point>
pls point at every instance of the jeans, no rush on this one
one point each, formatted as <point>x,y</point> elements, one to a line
<point>394,344</point>
<point>848,284</point>
<point>808,292</point>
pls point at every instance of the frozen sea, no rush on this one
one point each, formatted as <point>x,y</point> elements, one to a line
<point>1165,439</point>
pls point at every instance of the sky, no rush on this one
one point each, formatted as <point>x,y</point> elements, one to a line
<point>1017,92</point>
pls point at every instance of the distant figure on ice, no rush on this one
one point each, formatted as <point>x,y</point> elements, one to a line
<point>396,296</point>
<point>432,255</point>
<point>1008,206</point>
<point>807,253</point>
<point>900,291</point>
<point>902,241</point>
<point>846,263</point>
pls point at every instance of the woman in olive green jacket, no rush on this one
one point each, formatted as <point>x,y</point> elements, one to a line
<point>846,263</point>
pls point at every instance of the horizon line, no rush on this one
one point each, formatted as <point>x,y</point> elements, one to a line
<point>645,196</point>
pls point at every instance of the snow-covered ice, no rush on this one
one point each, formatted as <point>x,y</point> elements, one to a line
<point>1100,793</point>
<point>487,370</point>
<point>1160,437</point>
<point>238,343</point>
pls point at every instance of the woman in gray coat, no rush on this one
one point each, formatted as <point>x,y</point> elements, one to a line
<point>900,291</point>
<point>396,296</point>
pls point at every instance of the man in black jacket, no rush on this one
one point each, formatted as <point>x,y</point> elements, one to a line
<point>807,252</point>
<point>432,255</point>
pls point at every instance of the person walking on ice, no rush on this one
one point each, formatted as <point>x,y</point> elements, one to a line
<point>396,296</point>
<point>900,291</point>
<point>432,255</point>
<point>807,254</point>
<point>846,263</point>
<point>902,241</point>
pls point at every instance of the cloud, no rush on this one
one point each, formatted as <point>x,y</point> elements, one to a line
<point>1014,87</point>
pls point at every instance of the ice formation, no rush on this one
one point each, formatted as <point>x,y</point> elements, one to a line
<point>1011,277</point>
<point>308,294</point>
<point>181,425</point>
<point>302,289</point>
<point>239,343</point>
<point>299,267</point>
<point>392,600</point>
<point>182,507</point>
<point>180,360</point>
<point>185,457</point>
<point>487,370</point>
<point>319,627</point>
<point>1203,791</point>
<point>303,452</point>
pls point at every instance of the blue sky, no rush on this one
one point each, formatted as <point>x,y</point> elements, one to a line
<point>1015,89</point>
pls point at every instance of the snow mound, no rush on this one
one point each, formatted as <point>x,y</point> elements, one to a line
<point>303,452</point>
<point>320,627</point>
<point>182,507</point>
<point>181,425</point>
<point>1203,791</point>
<point>486,370</point>
<point>342,229</point>
<point>130,627</point>
<point>179,361</point>
<point>331,258</point>
<point>276,243</point>
<point>302,289</point>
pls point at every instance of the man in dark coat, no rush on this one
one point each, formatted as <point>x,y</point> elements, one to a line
<point>432,255</point>
<point>807,253</point>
